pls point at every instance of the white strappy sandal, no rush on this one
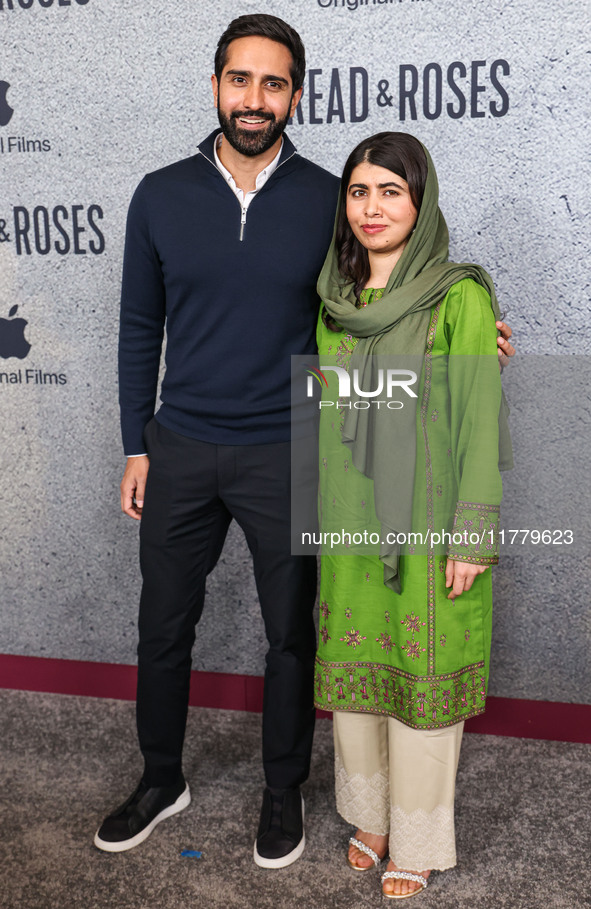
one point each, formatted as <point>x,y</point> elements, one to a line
<point>368,851</point>
<point>403,876</point>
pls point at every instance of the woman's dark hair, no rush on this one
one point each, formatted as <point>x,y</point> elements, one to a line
<point>403,155</point>
<point>262,25</point>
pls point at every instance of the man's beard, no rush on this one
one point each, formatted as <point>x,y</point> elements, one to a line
<point>251,143</point>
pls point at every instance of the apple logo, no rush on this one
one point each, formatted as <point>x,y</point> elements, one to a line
<point>12,336</point>
<point>6,110</point>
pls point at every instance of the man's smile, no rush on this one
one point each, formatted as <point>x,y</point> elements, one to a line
<point>252,120</point>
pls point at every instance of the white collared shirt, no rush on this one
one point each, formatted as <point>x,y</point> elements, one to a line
<point>244,198</point>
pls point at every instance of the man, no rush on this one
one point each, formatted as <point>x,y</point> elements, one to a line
<point>235,286</point>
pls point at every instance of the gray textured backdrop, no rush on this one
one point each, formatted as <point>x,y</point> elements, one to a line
<point>103,91</point>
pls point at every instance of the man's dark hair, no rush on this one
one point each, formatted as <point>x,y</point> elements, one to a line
<point>262,25</point>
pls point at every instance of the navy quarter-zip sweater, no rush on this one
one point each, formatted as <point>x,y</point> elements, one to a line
<point>235,307</point>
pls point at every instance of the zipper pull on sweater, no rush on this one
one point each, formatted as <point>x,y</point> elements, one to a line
<point>242,222</point>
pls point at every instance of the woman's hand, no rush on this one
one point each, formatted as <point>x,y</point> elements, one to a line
<point>460,576</point>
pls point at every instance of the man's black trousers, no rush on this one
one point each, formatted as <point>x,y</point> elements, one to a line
<point>194,490</point>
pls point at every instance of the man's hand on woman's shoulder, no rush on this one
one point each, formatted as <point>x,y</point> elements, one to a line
<point>506,349</point>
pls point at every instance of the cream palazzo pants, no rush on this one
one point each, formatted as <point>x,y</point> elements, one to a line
<point>396,781</point>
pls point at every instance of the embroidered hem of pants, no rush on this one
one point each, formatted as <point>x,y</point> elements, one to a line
<point>391,779</point>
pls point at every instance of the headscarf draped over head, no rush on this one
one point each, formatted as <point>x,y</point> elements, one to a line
<point>382,448</point>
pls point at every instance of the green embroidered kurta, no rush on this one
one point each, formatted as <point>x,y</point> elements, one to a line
<point>417,655</point>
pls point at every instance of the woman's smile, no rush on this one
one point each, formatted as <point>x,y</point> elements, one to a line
<point>373,228</point>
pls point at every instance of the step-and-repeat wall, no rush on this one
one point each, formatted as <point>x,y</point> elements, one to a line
<point>95,93</point>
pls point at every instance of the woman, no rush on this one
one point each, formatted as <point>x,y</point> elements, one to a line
<point>405,633</point>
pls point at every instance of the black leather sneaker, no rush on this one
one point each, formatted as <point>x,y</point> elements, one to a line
<point>133,822</point>
<point>280,838</point>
